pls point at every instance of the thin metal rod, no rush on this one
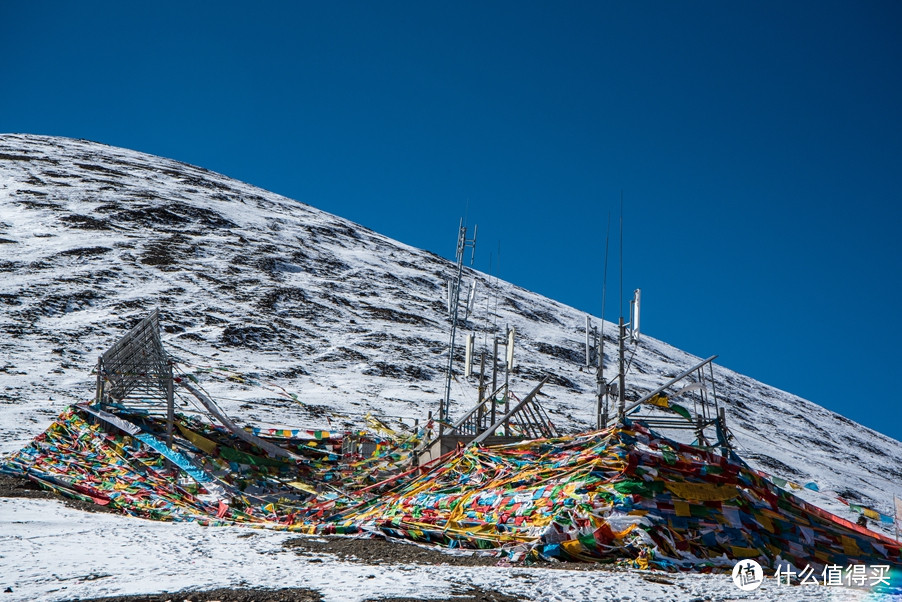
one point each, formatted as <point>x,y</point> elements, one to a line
<point>475,410</point>
<point>896,515</point>
<point>481,390</point>
<point>714,388</point>
<point>507,379</point>
<point>216,412</point>
<point>170,407</point>
<point>531,422</point>
<point>99,381</point>
<point>494,377</point>
<point>622,376</point>
<point>446,400</point>
<point>675,379</point>
<point>621,252</point>
<point>495,426</point>
<point>601,387</point>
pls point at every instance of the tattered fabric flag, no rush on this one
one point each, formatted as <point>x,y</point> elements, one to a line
<point>871,513</point>
<point>703,492</point>
<point>662,401</point>
<point>681,411</point>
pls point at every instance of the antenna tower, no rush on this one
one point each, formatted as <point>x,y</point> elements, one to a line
<point>462,244</point>
<point>604,389</point>
<point>601,404</point>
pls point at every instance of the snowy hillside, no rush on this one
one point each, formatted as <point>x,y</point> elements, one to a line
<point>288,297</point>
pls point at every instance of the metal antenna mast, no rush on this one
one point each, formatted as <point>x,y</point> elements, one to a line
<point>462,244</point>
<point>621,335</point>
<point>601,406</point>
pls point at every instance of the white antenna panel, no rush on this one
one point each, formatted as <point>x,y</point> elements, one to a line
<point>471,302</point>
<point>468,361</point>
<point>634,314</point>
<point>510,348</point>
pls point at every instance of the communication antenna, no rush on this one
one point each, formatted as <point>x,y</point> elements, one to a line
<point>471,299</point>
<point>462,243</point>
<point>601,387</point>
<point>634,315</point>
<point>621,254</point>
<point>468,356</point>
<point>510,347</point>
<point>622,327</point>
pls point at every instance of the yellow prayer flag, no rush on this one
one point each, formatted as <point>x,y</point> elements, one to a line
<point>741,552</point>
<point>703,492</point>
<point>659,400</point>
<point>766,522</point>
<point>681,508</point>
<point>202,443</point>
<point>850,546</point>
<point>302,487</point>
<point>572,547</point>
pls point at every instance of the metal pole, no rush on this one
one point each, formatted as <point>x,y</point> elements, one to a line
<point>714,388</point>
<point>446,401</point>
<point>496,425</point>
<point>507,377</point>
<point>170,407</point>
<point>722,436</point>
<point>100,382</point>
<point>896,515</point>
<point>479,400</point>
<point>588,359</point>
<point>601,388</point>
<point>481,377</point>
<point>622,409</point>
<point>595,341</point>
<point>601,405</point>
<point>673,380</point>
<point>494,377</point>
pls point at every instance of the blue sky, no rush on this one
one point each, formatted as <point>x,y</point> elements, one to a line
<point>758,148</point>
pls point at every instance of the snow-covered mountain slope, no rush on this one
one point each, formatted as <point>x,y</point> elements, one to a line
<point>289,297</point>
